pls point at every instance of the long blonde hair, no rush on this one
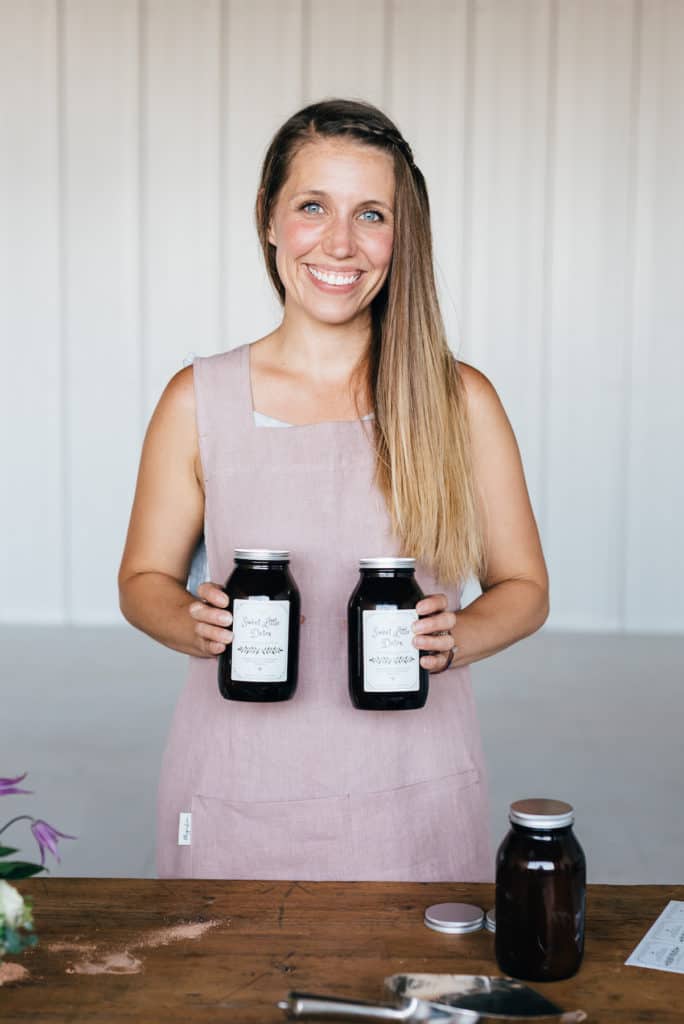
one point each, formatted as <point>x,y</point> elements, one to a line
<point>423,461</point>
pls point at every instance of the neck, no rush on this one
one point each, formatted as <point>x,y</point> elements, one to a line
<point>321,352</point>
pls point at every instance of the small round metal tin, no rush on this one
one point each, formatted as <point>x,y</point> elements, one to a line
<point>490,920</point>
<point>454,918</point>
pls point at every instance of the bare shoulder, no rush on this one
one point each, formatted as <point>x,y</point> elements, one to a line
<point>484,404</point>
<point>175,411</point>
<point>179,393</point>
<point>172,432</point>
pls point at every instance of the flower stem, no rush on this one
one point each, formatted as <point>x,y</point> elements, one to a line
<point>21,817</point>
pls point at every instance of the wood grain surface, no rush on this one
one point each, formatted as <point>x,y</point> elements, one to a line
<point>212,951</point>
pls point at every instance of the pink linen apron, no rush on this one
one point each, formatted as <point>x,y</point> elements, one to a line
<point>312,788</point>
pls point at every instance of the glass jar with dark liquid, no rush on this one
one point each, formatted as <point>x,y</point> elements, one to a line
<point>540,893</point>
<point>261,662</point>
<point>384,665</point>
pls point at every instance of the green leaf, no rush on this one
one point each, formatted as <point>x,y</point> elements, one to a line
<point>19,869</point>
<point>12,940</point>
<point>15,942</point>
<point>5,851</point>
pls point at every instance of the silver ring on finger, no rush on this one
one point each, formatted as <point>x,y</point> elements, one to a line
<point>452,651</point>
<point>450,658</point>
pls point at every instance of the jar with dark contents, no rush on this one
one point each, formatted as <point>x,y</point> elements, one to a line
<point>540,893</point>
<point>384,664</point>
<point>261,662</point>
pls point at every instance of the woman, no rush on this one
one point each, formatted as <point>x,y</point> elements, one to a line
<point>376,442</point>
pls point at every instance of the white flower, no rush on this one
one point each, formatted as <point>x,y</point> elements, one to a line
<point>11,905</point>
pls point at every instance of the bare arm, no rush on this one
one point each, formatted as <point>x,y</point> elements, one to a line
<point>165,525</point>
<point>515,598</point>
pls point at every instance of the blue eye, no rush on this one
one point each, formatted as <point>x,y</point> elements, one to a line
<point>373,214</point>
<point>307,206</point>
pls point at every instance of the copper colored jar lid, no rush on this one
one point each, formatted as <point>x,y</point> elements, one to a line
<point>541,813</point>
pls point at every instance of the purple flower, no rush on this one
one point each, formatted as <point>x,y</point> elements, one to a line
<point>46,837</point>
<point>8,786</point>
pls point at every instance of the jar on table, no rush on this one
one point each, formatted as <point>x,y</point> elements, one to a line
<point>384,664</point>
<point>261,662</point>
<point>540,893</point>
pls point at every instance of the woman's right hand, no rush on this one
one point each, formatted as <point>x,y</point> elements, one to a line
<point>211,620</point>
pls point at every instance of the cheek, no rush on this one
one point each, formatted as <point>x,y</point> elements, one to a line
<point>382,250</point>
<point>297,238</point>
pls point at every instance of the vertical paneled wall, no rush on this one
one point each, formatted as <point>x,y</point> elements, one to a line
<point>551,134</point>
<point>34,499</point>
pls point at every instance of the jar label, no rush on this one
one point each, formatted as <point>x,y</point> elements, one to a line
<point>390,661</point>
<point>259,648</point>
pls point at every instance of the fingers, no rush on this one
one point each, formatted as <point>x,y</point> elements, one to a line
<point>433,632</point>
<point>435,662</point>
<point>212,593</point>
<point>211,648</point>
<point>438,643</point>
<point>212,619</point>
<point>435,623</point>
<point>432,604</point>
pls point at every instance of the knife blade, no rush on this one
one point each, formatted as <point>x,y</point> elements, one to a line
<point>491,997</point>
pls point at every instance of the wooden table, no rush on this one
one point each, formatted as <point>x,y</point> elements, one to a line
<point>230,950</point>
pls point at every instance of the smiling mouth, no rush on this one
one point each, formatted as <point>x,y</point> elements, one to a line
<point>333,278</point>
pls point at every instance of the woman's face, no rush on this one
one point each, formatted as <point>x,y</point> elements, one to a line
<point>333,228</point>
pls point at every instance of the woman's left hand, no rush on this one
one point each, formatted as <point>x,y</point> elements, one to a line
<point>434,632</point>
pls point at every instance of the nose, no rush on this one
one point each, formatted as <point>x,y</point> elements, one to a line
<point>339,240</point>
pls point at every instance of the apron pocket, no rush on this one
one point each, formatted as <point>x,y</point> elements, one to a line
<point>280,839</point>
<point>428,831</point>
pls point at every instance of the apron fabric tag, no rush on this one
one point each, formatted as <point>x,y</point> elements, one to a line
<point>185,828</point>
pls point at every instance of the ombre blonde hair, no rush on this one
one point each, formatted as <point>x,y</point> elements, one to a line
<point>423,457</point>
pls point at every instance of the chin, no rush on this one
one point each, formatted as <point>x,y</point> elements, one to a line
<point>338,317</point>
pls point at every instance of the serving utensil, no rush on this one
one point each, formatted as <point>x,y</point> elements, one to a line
<point>491,997</point>
<point>403,1011</point>
<point>438,999</point>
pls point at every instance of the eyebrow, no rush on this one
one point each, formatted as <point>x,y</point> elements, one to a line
<point>320,192</point>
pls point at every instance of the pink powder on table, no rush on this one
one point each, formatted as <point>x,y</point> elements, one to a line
<point>115,963</point>
<point>12,973</point>
<point>71,947</point>
<point>123,962</point>
<point>174,933</point>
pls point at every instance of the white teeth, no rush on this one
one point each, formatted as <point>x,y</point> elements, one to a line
<point>333,278</point>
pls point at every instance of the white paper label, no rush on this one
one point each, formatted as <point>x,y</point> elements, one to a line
<point>662,947</point>
<point>259,648</point>
<point>184,828</point>
<point>390,661</point>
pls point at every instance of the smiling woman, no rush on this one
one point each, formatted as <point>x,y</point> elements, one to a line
<point>393,448</point>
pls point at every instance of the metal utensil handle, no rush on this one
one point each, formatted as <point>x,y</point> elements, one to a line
<point>302,1004</point>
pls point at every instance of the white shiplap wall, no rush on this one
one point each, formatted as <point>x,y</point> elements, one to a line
<point>552,137</point>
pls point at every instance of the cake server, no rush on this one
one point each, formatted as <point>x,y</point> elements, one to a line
<point>490,997</point>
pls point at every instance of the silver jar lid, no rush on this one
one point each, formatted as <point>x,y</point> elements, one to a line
<point>387,563</point>
<point>542,814</point>
<point>260,555</point>
<point>454,918</point>
<point>490,920</point>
